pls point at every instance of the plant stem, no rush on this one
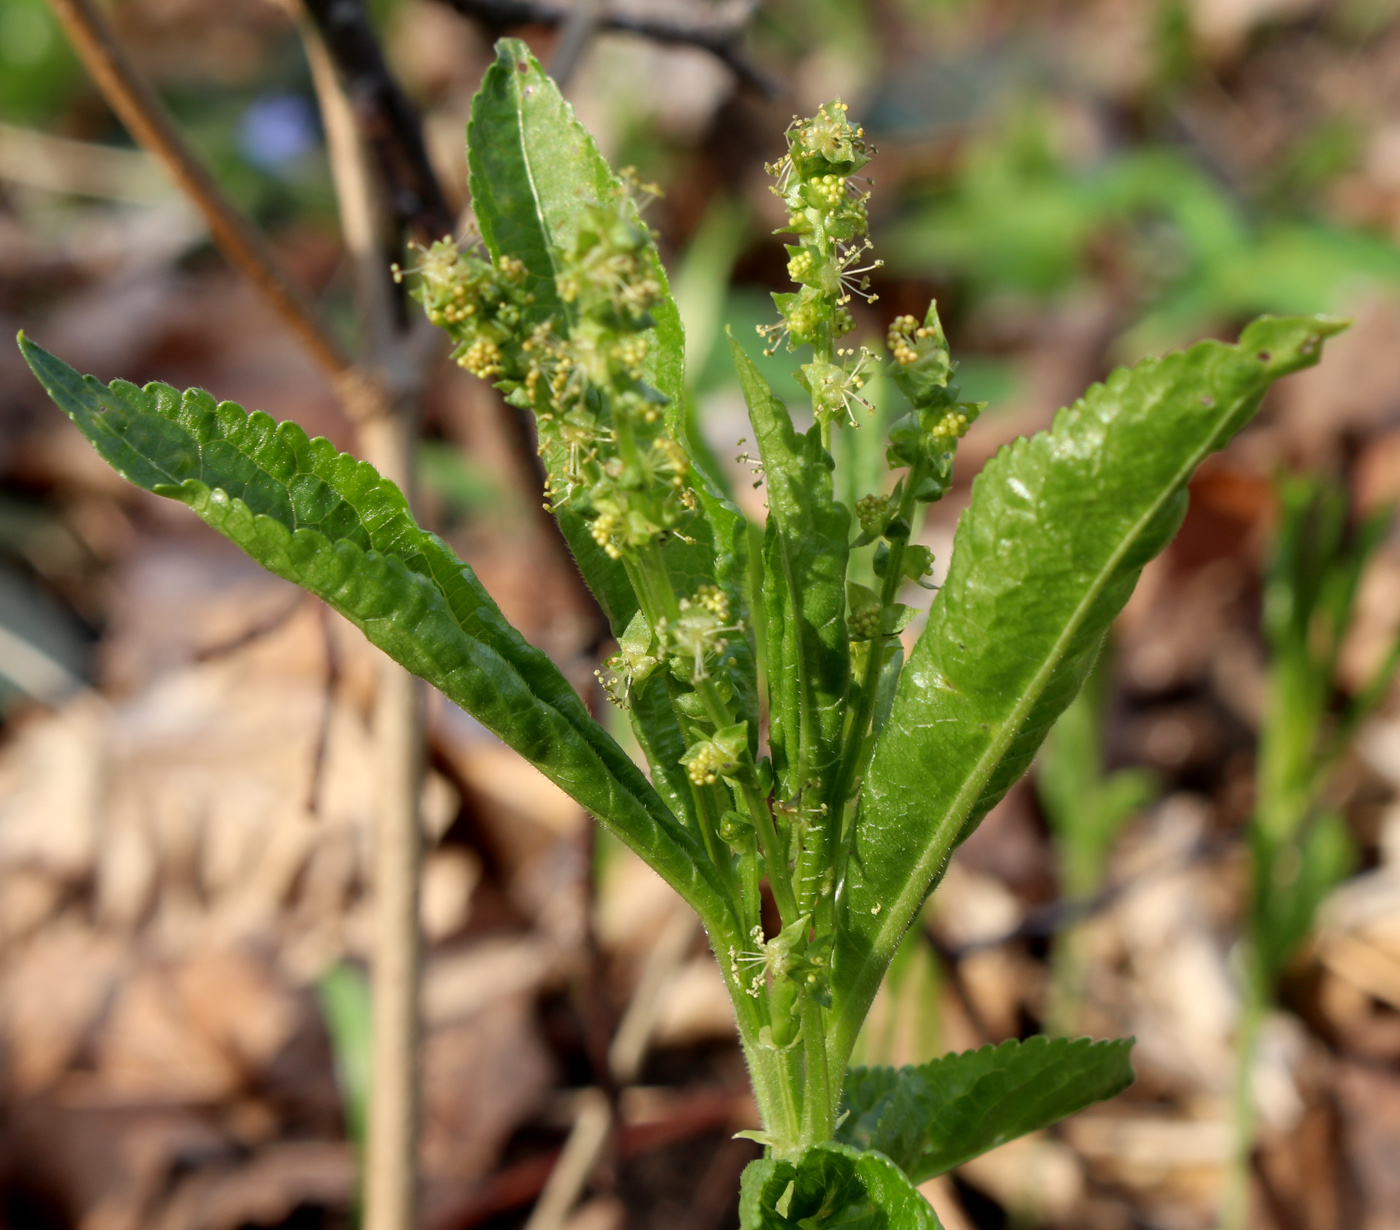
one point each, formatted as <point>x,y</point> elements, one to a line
<point>1234,1207</point>
<point>722,36</point>
<point>391,1153</point>
<point>818,1102</point>
<point>388,437</point>
<point>870,679</point>
<point>1084,857</point>
<point>781,1116</point>
<point>704,797</point>
<point>772,845</point>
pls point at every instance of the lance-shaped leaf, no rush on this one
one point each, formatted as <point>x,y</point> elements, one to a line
<point>936,1116</point>
<point>332,525</point>
<point>532,165</point>
<point>1059,527</point>
<point>831,1187</point>
<point>804,556</point>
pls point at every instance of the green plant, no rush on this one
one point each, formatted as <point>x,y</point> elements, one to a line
<point>872,770</point>
<point>1299,843</point>
<point>344,997</point>
<point>1086,809</point>
<point>1017,219</point>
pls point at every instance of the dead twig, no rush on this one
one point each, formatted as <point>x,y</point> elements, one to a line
<point>633,1036</point>
<point>387,121</point>
<point>720,33</point>
<point>316,778</point>
<point>573,40</point>
<point>594,1120</point>
<point>692,1115</point>
<point>145,117</point>
<point>254,631</point>
<point>592,1125</point>
<point>1063,914</point>
<point>399,360</point>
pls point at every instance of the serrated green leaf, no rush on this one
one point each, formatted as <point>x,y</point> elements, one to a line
<point>331,524</point>
<point>532,164</point>
<point>831,1187</point>
<point>804,551</point>
<point>1059,528</point>
<point>936,1116</point>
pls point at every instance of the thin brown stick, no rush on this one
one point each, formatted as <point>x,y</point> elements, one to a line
<point>573,39</point>
<point>387,440</point>
<point>391,1146</point>
<point>398,364</point>
<point>719,32</point>
<point>145,117</point>
<point>585,1144</point>
<point>387,120</point>
<point>692,1115</point>
<point>588,1138</point>
<point>633,1036</point>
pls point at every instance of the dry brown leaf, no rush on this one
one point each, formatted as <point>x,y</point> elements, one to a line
<point>457,985</point>
<point>55,992</point>
<point>193,1031</point>
<point>262,1191</point>
<point>482,1076</point>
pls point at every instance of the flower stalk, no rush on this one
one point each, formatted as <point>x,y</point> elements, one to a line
<point>579,364</point>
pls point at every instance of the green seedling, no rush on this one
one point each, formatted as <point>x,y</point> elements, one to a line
<point>343,994</point>
<point>1086,808</point>
<point>832,771</point>
<point>1299,844</point>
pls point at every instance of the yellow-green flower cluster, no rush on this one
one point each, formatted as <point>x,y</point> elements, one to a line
<point>701,630</point>
<point>479,304</point>
<point>721,755</point>
<point>578,362</point>
<point>924,439</point>
<point>827,213</point>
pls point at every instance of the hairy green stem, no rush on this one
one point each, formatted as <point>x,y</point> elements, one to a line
<point>821,1092</point>
<point>705,801</point>
<point>870,681</point>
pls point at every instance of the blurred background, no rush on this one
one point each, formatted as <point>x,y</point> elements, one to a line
<point>185,768</point>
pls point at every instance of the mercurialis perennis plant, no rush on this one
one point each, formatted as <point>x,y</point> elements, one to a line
<point>787,740</point>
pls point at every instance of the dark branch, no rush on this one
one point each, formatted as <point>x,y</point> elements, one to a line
<point>388,121</point>
<point>720,36</point>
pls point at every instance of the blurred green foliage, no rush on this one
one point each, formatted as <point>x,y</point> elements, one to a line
<point>1017,218</point>
<point>1086,808</point>
<point>38,70</point>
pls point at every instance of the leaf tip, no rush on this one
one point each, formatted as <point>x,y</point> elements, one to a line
<point>30,350</point>
<point>1284,344</point>
<point>39,359</point>
<point>514,53</point>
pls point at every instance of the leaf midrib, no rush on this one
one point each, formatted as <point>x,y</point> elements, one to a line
<point>902,909</point>
<point>421,560</point>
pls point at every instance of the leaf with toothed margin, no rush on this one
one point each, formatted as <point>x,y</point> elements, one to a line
<point>1059,528</point>
<point>532,165</point>
<point>940,1114</point>
<point>334,526</point>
